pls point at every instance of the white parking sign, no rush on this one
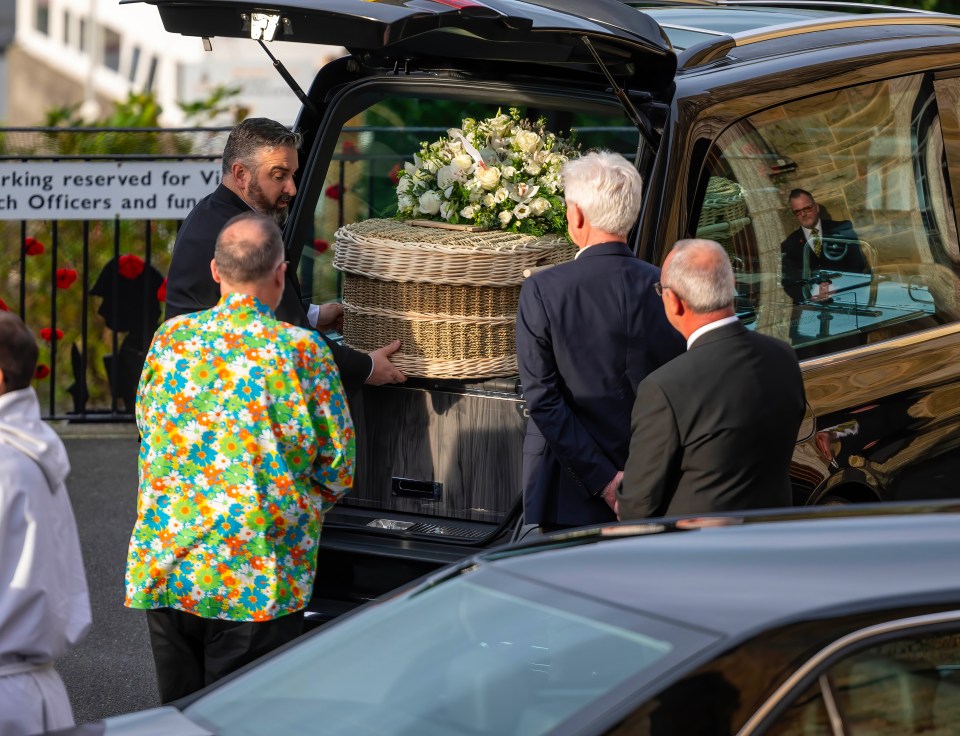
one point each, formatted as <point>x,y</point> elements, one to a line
<point>88,190</point>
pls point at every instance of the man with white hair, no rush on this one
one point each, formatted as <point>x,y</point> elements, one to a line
<point>715,430</point>
<point>588,331</point>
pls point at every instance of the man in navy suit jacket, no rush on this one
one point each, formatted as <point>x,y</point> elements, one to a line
<point>715,429</point>
<point>588,331</point>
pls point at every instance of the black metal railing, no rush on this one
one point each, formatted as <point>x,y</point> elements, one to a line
<point>92,290</point>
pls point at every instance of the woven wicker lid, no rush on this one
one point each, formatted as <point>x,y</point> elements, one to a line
<point>395,251</point>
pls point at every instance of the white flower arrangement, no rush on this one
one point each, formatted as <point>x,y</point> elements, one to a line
<point>500,172</point>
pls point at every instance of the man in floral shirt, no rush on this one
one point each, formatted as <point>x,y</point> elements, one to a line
<point>247,443</point>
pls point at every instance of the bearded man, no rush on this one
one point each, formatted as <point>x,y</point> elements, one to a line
<point>259,163</point>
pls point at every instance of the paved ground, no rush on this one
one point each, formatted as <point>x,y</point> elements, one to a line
<point>111,672</point>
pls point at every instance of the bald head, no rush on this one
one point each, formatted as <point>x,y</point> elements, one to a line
<point>18,353</point>
<point>699,272</point>
<point>248,250</point>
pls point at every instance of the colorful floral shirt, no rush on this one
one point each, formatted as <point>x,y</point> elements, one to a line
<point>246,443</point>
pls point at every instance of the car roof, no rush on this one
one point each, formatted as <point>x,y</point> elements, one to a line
<point>737,574</point>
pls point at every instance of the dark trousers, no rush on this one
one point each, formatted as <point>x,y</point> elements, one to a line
<point>190,652</point>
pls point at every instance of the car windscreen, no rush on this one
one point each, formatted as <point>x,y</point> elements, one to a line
<point>482,653</point>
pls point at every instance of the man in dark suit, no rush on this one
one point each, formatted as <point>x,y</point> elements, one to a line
<point>817,245</point>
<point>259,163</point>
<point>587,332</point>
<point>714,429</point>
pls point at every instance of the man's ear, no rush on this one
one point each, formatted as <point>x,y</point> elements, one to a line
<point>240,174</point>
<point>577,215</point>
<point>672,304</point>
<point>3,383</point>
<point>213,271</point>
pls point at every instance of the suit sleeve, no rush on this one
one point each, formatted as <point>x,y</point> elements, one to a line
<point>791,267</point>
<point>570,441</point>
<point>653,463</point>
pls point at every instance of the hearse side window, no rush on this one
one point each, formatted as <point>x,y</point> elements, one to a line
<point>884,260</point>
<point>910,685</point>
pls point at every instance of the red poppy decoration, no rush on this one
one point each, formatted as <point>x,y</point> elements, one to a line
<point>335,191</point>
<point>3,306</point>
<point>47,334</point>
<point>130,266</point>
<point>33,247</point>
<point>395,174</point>
<point>350,148</point>
<point>65,277</point>
<point>42,371</point>
<point>320,245</point>
<point>162,292</point>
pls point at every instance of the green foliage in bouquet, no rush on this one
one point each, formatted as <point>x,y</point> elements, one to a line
<point>502,172</point>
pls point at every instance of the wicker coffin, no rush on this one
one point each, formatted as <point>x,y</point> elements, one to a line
<point>724,211</point>
<point>450,296</point>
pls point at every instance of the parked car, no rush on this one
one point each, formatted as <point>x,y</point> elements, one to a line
<point>837,620</point>
<point>725,109</point>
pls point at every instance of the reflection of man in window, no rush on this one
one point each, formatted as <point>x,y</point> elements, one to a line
<point>817,248</point>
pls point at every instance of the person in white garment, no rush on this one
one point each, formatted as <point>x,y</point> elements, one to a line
<point>44,605</point>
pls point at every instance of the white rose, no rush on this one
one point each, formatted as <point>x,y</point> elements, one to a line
<point>501,195</point>
<point>469,212</point>
<point>403,186</point>
<point>406,202</point>
<point>463,161</point>
<point>488,177</point>
<point>532,167</point>
<point>527,141</point>
<point>430,202</point>
<point>509,172</point>
<point>505,217</point>
<point>539,206</point>
<point>500,124</point>
<point>489,200</point>
<point>409,167</point>
<point>431,167</point>
<point>521,211</point>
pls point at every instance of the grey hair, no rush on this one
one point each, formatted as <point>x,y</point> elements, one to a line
<point>246,255</point>
<point>607,189</point>
<point>700,272</point>
<point>253,135</point>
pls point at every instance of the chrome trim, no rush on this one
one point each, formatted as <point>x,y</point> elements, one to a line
<point>834,648</point>
<point>896,343</point>
<point>704,31</point>
<point>815,4</point>
<point>787,30</point>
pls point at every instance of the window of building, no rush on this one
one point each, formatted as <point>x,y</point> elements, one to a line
<point>83,43</point>
<point>151,75</point>
<point>67,27</point>
<point>111,49</point>
<point>836,215</point>
<point>134,63</point>
<point>41,16</point>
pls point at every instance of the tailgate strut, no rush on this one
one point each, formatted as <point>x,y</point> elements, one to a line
<point>625,102</point>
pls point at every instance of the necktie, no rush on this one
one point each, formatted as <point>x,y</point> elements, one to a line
<point>817,243</point>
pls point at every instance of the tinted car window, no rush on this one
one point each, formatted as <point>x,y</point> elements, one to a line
<point>484,653</point>
<point>907,686</point>
<point>872,157</point>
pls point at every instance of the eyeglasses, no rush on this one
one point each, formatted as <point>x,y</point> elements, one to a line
<point>659,287</point>
<point>804,210</point>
